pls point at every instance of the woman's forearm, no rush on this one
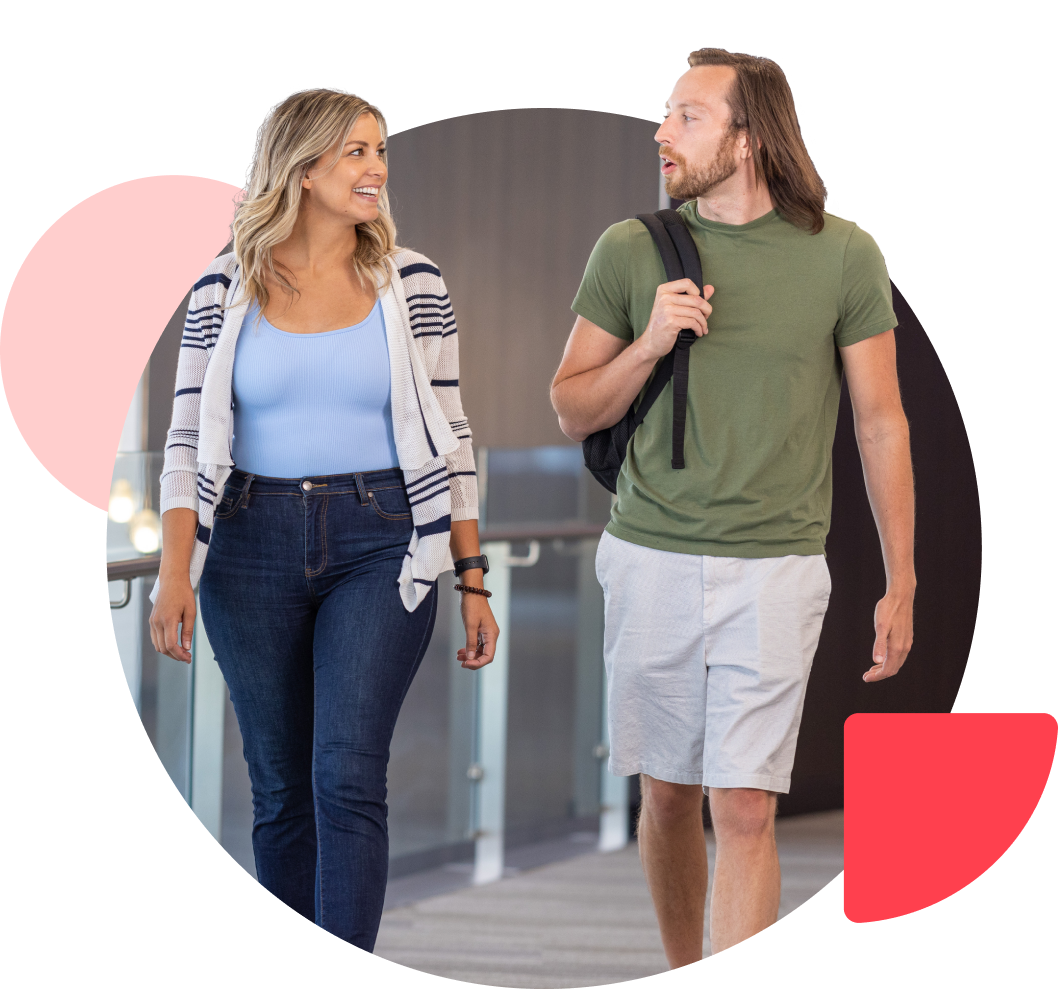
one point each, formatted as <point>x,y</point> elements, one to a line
<point>179,527</point>
<point>465,544</point>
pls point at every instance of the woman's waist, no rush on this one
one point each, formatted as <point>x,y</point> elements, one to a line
<point>352,482</point>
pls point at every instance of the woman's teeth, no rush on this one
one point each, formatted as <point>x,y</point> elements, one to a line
<point>367,191</point>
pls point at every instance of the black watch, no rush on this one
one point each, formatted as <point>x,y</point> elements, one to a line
<point>471,563</point>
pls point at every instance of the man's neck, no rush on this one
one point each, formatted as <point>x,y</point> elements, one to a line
<point>737,200</point>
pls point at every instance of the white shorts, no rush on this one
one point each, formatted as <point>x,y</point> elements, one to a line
<point>707,662</point>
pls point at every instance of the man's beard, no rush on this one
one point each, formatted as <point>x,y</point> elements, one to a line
<point>690,183</point>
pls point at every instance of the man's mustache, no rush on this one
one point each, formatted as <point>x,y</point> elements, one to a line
<point>666,152</point>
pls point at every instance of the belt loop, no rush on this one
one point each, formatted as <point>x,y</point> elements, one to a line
<point>360,488</point>
<point>244,495</point>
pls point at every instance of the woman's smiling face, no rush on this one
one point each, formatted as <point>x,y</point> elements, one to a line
<point>350,189</point>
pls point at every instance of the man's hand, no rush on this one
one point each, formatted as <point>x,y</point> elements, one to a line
<point>893,634</point>
<point>677,306</point>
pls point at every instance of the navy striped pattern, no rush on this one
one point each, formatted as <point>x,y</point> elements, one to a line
<point>442,490</point>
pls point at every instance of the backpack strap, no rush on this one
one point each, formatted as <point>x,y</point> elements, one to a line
<point>670,256</point>
<point>690,261</point>
<point>681,260</point>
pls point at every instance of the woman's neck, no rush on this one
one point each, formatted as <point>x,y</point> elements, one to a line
<point>316,243</point>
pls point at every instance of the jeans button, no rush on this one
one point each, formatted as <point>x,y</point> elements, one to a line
<point>307,485</point>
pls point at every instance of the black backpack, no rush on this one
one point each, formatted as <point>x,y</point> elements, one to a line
<point>604,451</point>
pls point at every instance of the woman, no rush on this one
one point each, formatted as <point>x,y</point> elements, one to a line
<point>319,453</point>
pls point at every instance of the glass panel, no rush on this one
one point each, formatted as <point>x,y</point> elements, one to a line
<point>429,792</point>
<point>134,528</point>
<point>160,686</point>
<point>542,485</point>
<point>555,679</point>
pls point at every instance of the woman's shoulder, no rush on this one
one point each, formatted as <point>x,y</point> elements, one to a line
<point>411,263</point>
<point>220,272</point>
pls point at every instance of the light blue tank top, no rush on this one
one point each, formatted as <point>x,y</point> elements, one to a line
<point>312,403</point>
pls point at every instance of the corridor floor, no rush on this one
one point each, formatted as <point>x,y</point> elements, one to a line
<point>583,921</point>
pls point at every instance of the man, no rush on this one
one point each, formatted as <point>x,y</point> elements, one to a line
<point>715,578</point>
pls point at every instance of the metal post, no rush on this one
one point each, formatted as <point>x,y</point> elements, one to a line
<point>613,793</point>
<point>462,715</point>
<point>587,734</point>
<point>207,732</point>
<point>613,819</point>
<point>489,769</point>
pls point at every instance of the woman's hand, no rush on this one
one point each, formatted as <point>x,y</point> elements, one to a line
<point>175,605</point>
<point>173,619</point>
<point>481,629</point>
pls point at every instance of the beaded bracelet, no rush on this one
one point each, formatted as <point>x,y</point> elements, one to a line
<point>473,591</point>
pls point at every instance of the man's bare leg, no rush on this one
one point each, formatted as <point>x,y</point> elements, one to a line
<point>747,882</point>
<point>672,850</point>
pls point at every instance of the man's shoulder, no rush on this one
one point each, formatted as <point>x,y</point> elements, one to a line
<point>843,231</point>
<point>623,244</point>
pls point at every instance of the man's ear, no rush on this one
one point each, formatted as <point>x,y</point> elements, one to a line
<point>744,144</point>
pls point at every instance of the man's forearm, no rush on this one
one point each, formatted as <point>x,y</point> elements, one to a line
<point>885,451</point>
<point>596,399</point>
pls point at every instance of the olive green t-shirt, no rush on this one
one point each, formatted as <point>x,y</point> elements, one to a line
<point>764,382</point>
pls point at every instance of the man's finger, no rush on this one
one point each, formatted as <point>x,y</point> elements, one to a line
<point>681,285</point>
<point>879,651</point>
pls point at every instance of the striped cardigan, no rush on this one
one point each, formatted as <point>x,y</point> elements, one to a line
<point>432,436</point>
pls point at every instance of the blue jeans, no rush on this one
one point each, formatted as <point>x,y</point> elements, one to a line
<point>300,602</point>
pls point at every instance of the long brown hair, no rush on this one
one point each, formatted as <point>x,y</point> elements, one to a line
<point>761,104</point>
<point>294,138</point>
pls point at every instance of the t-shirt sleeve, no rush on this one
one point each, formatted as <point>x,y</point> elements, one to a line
<point>866,294</point>
<point>603,294</point>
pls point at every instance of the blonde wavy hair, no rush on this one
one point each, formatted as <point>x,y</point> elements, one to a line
<point>294,137</point>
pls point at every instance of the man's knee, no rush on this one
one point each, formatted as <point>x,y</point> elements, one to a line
<point>741,812</point>
<point>667,803</point>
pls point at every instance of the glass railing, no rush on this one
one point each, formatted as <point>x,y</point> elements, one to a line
<point>480,761</point>
<point>161,687</point>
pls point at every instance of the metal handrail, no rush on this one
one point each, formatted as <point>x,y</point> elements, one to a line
<point>120,570</point>
<point>125,570</point>
<point>526,532</point>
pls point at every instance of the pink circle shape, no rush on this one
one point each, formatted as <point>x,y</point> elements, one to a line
<point>87,307</point>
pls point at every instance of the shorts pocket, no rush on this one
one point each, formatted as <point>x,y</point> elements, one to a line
<point>390,503</point>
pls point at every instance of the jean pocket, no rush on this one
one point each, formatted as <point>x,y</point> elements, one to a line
<point>228,504</point>
<point>390,503</point>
